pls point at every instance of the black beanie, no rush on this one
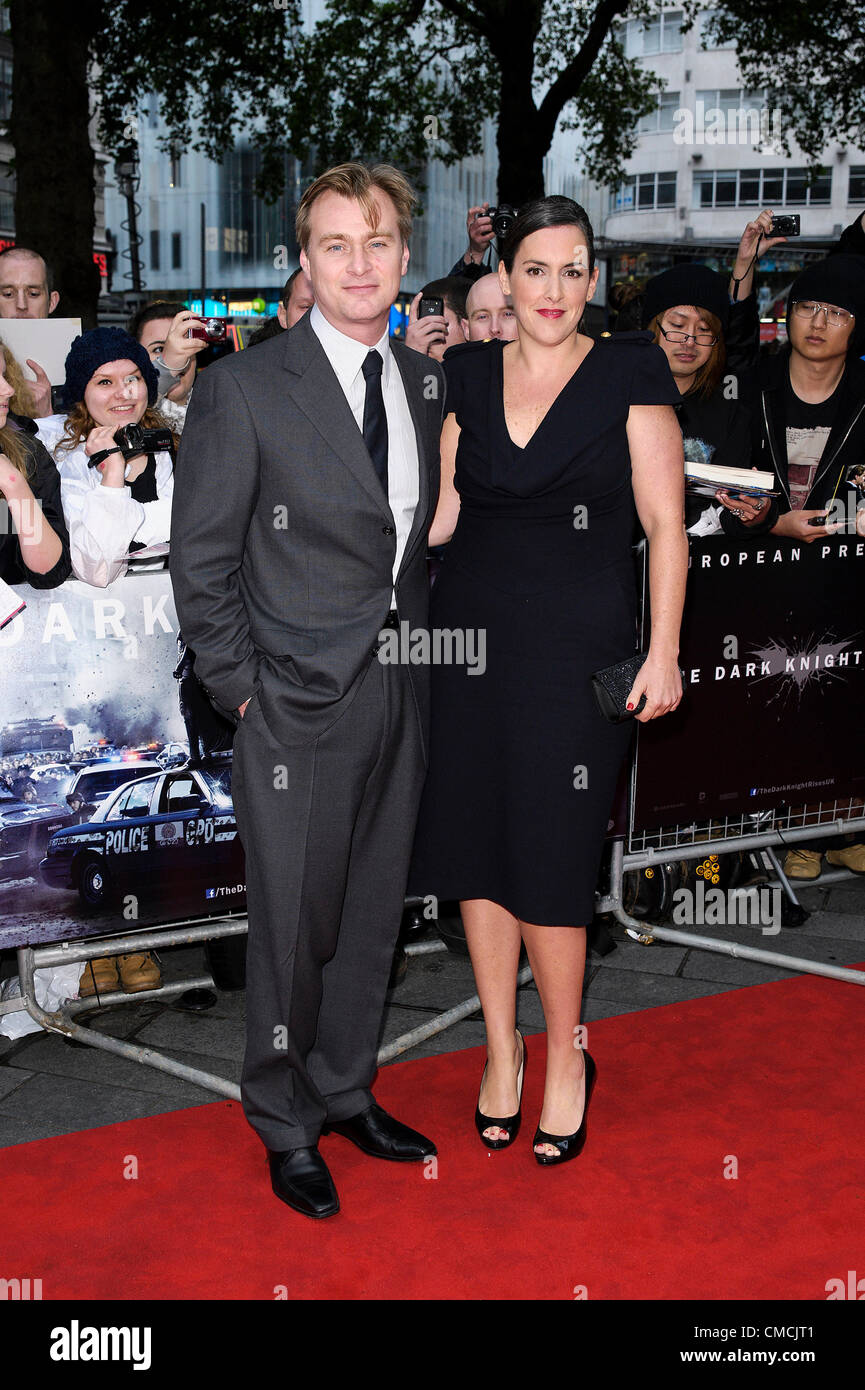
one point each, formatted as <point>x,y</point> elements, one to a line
<point>696,285</point>
<point>839,280</point>
<point>90,351</point>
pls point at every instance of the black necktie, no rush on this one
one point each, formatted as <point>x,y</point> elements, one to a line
<point>374,418</point>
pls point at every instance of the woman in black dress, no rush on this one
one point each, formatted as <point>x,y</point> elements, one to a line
<point>548,444</point>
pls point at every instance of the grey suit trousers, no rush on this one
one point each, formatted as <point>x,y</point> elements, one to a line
<point>327,830</point>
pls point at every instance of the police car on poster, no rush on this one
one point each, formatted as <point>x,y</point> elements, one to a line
<point>171,831</point>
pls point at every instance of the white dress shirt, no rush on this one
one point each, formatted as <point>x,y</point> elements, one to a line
<point>346,356</point>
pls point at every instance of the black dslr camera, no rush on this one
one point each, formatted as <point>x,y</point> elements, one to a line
<point>133,440</point>
<point>503,218</point>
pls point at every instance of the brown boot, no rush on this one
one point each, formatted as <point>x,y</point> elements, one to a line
<point>850,857</point>
<point>139,971</point>
<point>803,863</point>
<point>99,977</point>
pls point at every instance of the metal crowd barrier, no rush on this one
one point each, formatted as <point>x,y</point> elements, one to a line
<point>760,832</point>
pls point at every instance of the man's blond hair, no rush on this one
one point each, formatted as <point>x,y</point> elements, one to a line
<point>359,182</point>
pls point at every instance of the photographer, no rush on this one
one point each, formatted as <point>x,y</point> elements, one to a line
<point>115,503</point>
<point>162,329</point>
<point>479,227</point>
<point>435,333</point>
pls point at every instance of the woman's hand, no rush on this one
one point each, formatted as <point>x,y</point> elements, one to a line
<point>179,350</point>
<point>113,469</point>
<point>659,679</point>
<point>747,509</point>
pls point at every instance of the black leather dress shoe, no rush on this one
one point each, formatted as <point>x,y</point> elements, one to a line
<point>376,1132</point>
<point>301,1179</point>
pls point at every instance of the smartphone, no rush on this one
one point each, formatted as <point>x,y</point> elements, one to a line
<point>786,225</point>
<point>430,305</point>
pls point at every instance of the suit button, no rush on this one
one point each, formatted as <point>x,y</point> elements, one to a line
<point>388,531</point>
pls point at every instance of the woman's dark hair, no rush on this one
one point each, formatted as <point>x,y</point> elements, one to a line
<point>540,213</point>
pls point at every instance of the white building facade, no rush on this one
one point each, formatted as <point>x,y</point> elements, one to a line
<point>696,174</point>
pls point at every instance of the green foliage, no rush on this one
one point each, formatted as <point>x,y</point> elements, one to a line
<point>409,80</point>
<point>223,67</point>
<point>809,57</point>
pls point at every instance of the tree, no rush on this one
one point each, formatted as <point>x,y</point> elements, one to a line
<point>199,56</point>
<point>54,199</point>
<point>809,58</point>
<point>404,80</point>
<point>416,79</point>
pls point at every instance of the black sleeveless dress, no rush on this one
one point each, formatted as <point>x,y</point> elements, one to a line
<point>523,767</point>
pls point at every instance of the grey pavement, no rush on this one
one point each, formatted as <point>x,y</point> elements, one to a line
<point>49,1086</point>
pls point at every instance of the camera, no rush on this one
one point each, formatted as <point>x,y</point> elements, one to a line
<point>785,225</point>
<point>429,305</point>
<point>132,440</point>
<point>209,331</point>
<point>503,218</point>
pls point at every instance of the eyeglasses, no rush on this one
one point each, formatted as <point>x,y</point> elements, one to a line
<point>701,339</point>
<point>809,309</point>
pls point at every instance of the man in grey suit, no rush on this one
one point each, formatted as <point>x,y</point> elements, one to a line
<point>306,482</point>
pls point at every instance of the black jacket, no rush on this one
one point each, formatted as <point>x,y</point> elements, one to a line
<point>844,447</point>
<point>44,481</point>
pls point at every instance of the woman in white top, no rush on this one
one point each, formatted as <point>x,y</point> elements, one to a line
<point>115,506</point>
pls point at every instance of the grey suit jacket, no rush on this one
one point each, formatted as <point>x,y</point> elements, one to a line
<point>282,539</point>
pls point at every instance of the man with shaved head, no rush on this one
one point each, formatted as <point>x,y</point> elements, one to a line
<point>489,312</point>
<point>27,292</point>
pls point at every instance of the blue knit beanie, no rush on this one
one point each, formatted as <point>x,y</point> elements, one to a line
<point>90,351</point>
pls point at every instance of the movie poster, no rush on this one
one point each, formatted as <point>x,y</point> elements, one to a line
<point>115,771</point>
<point>773,650</point>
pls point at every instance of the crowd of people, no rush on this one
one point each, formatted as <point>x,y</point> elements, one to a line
<point>529,420</point>
<point>799,414</point>
<point>81,506</point>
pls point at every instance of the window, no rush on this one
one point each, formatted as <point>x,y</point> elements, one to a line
<point>644,193</point>
<point>134,802</point>
<point>660,34</point>
<point>180,793</point>
<point>705,37</point>
<point>154,249</point>
<point>662,116</point>
<point>176,251</point>
<point>856,193</point>
<point>719,188</point>
<point>174,169</point>
<point>5,88</point>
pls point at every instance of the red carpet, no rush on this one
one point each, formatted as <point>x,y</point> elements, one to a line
<point>771,1077</point>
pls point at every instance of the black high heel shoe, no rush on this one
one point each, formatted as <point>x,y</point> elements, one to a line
<point>511,1123</point>
<point>568,1145</point>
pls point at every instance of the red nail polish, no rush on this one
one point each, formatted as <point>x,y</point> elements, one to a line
<point>630,706</point>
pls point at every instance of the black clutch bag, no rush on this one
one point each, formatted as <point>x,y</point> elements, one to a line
<point>613,685</point>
